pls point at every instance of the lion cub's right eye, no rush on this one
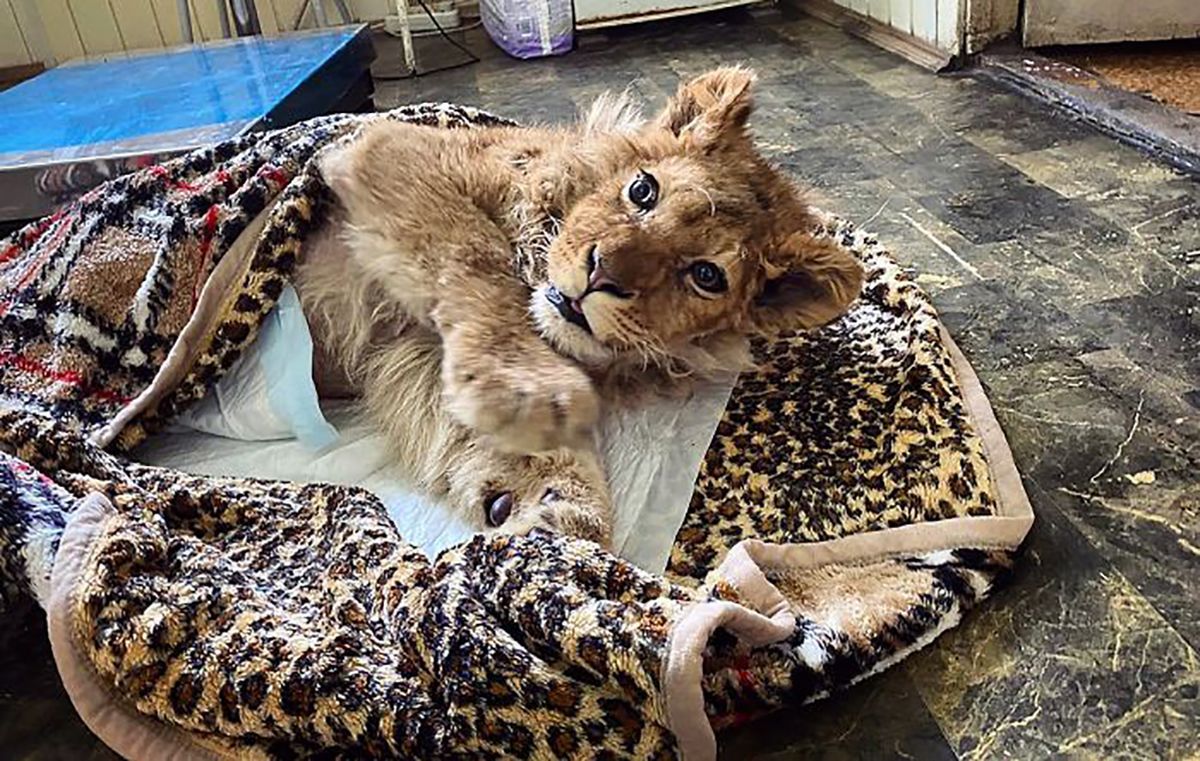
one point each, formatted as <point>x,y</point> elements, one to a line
<point>642,192</point>
<point>708,278</point>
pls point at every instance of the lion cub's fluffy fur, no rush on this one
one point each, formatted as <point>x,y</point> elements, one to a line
<point>484,289</point>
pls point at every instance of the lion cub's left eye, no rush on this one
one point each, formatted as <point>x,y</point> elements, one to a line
<point>708,277</point>
<point>643,191</point>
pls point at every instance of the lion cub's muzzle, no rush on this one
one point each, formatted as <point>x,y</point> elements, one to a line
<point>598,281</point>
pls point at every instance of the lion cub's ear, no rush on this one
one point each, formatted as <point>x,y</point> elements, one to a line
<point>711,110</point>
<point>809,281</point>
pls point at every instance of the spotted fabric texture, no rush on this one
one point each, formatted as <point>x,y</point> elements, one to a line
<point>251,618</point>
<point>382,653</point>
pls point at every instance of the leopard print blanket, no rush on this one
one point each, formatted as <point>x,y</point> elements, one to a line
<point>857,498</point>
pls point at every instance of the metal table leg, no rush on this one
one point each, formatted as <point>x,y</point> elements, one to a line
<point>185,20</point>
<point>343,11</point>
<point>223,17</point>
<point>410,56</point>
<point>318,7</point>
<point>245,18</point>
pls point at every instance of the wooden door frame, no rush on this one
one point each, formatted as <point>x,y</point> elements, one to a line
<point>986,21</point>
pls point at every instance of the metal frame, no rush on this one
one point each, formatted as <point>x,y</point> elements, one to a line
<point>410,55</point>
<point>245,17</point>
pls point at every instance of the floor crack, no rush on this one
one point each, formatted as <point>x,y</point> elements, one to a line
<point>1137,419</point>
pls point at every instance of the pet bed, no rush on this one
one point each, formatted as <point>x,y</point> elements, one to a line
<point>856,498</point>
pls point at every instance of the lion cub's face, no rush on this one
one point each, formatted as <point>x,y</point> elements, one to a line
<point>690,241</point>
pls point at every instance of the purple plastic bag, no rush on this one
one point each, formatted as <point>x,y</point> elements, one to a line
<point>530,28</point>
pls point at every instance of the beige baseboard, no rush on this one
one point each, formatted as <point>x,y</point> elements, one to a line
<point>877,33</point>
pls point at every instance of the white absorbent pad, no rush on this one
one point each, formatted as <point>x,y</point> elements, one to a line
<point>264,421</point>
<point>269,394</point>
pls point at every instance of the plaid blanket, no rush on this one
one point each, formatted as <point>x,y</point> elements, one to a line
<point>857,499</point>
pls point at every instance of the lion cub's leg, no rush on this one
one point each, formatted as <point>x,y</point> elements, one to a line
<point>501,379</point>
<point>564,491</point>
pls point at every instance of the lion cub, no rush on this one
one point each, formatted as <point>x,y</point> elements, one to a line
<point>485,290</point>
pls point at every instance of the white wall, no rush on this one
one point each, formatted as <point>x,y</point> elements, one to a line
<point>52,31</point>
<point>22,38</point>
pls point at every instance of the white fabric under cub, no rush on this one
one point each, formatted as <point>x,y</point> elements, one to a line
<point>653,455</point>
<point>269,394</point>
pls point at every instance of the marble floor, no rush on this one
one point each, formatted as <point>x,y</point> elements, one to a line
<point>1068,268</point>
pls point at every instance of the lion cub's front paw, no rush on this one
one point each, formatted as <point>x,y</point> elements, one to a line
<point>525,410</point>
<point>553,512</point>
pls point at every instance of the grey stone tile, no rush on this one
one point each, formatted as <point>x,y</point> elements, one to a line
<point>1071,661</point>
<point>37,721</point>
<point>882,719</point>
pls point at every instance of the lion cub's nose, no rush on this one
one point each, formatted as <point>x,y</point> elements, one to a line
<point>598,277</point>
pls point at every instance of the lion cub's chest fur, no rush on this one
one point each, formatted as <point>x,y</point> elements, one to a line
<point>448,177</point>
<point>368,283</point>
